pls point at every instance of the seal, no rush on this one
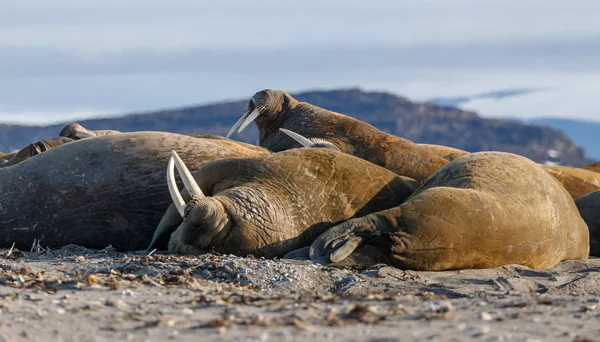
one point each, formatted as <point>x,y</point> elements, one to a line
<point>274,109</point>
<point>268,205</point>
<point>35,149</point>
<point>75,131</point>
<point>589,209</point>
<point>482,210</point>
<point>577,181</point>
<point>109,190</point>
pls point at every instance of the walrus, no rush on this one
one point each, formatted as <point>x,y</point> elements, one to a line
<point>75,131</point>
<point>446,152</point>
<point>268,205</point>
<point>109,190</point>
<point>593,167</point>
<point>274,109</point>
<point>577,181</point>
<point>482,210</point>
<point>589,209</point>
<point>323,143</point>
<point>34,149</point>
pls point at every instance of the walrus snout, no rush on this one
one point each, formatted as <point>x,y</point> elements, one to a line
<point>264,102</point>
<point>204,218</point>
<point>206,223</point>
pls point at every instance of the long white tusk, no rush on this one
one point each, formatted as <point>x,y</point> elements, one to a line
<point>188,180</point>
<point>243,122</point>
<point>302,140</point>
<point>175,195</point>
<point>235,126</point>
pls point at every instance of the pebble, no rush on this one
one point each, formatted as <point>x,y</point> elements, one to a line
<point>80,258</point>
<point>205,274</point>
<point>479,330</point>
<point>485,316</point>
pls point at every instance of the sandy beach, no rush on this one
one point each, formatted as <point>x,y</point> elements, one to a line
<point>78,294</point>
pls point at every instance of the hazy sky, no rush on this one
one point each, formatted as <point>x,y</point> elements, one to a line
<point>64,59</point>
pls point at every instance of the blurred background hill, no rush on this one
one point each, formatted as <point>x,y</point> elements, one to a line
<point>423,122</point>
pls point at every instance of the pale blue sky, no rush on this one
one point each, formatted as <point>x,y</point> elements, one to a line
<point>72,59</point>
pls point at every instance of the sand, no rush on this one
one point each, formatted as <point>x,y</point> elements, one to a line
<point>78,294</point>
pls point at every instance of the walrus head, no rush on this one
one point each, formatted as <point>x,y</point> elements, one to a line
<point>76,131</point>
<point>264,104</point>
<point>205,220</point>
<point>310,142</point>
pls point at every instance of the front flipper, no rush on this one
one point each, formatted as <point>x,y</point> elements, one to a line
<point>340,241</point>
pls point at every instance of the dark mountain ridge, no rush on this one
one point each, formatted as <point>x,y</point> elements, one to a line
<point>424,122</point>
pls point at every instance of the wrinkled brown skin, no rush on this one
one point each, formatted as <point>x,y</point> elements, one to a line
<point>101,191</point>
<point>589,209</point>
<point>8,156</point>
<point>446,152</point>
<point>270,205</point>
<point>71,129</point>
<point>482,210</point>
<point>35,149</point>
<point>350,135</point>
<point>578,182</point>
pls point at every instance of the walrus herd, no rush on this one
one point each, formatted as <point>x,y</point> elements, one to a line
<point>321,185</point>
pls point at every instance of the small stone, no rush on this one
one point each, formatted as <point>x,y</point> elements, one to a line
<point>128,293</point>
<point>60,311</point>
<point>119,304</point>
<point>485,316</point>
<point>589,308</point>
<point>187,312</point>
<point>205,274</point>
<point>281,271</point>
<point>480,330</point>
<point>80,258</point>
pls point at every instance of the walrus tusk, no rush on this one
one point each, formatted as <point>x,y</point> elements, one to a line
<point>83,135</point>
<point>188,180</point>
<point>302,140</point>
<point>175,195</point>
<point>243,122</point>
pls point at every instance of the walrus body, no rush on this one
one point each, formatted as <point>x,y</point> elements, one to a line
<point>269,205</point>
<point>274,109</point>
<point>593,167</point>
<point>482,210</point>
<point>98,192</point>
<point>578,182</point>
<point>589,209</point>
<point>34,149</point>
<point>446,152</point>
